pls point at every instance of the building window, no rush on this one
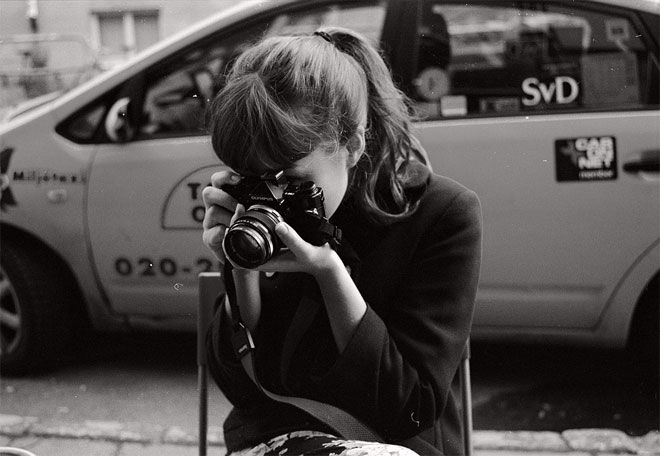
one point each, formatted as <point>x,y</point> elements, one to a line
<point>119,35</point>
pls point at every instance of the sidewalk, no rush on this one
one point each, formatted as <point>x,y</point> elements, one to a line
<point>109,438</point>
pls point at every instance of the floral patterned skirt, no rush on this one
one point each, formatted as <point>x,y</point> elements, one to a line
<point>321,444</point>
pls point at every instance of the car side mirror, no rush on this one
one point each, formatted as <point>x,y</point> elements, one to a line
<point>117,124</point>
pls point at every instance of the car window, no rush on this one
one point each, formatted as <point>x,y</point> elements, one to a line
<point>367,19</point>
<point>490,60</point>
<point>176,99</point>
<point>179,90</point>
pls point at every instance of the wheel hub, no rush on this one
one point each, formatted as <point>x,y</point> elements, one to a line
<point>10,315</point>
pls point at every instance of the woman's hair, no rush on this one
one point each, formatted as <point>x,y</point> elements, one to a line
<point>285,97</point>
<point>289,95</point>
<point>382,171</point>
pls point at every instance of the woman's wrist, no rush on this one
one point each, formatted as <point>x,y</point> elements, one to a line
<point>344,303</point>
<point>331,265</point>
<point>248,296</point>
<point>244,274</point>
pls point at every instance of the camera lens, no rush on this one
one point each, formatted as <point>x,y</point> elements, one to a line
<point>251,240</point>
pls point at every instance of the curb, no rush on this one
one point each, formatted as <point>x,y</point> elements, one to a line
<point>15,426</point>
<point>610,441</point>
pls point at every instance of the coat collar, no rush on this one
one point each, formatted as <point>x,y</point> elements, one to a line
<point>360,234</point>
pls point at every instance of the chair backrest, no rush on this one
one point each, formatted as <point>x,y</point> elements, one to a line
<point>466,399</point>
<point>211,285</point>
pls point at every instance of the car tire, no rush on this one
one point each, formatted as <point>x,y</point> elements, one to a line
<point>643,349</point>
<point>37,313</point>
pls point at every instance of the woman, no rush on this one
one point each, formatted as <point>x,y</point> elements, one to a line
<point>391,305</point>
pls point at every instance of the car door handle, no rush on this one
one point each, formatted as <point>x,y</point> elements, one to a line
<point>648,162</point>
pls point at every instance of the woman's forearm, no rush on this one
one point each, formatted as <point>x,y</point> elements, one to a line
<point>344,303</point>
<point>248,297</point>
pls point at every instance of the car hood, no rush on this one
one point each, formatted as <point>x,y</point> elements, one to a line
<point>29,105</point>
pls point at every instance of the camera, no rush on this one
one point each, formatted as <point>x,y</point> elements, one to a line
<point>269,199</point>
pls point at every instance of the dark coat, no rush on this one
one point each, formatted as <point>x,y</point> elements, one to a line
<point>398,373</point>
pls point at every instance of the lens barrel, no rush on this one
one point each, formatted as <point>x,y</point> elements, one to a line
<point>251,240</point>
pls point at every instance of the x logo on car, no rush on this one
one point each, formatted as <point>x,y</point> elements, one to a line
<point>7,198</point>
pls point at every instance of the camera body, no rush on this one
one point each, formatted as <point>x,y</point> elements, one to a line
<point>251,240</point>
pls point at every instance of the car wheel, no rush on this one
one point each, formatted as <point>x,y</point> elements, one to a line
<point>36,317</point>
<point>643,349</point>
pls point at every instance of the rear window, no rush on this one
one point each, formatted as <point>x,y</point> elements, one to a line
<point>502,60</point>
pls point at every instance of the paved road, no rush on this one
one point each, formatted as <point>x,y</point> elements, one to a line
<point>151,380</point>
<point>566,388</point>
<point>140,378</point>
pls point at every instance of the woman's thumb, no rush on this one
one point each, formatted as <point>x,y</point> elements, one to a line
<point>290,238</point>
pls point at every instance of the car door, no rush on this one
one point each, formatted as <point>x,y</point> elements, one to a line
<point>144,208</point>
<point>543,110</point>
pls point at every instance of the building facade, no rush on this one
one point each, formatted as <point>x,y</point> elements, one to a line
<point>51,45</point>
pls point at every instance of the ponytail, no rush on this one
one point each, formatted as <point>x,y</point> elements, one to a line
<point>379,178</point>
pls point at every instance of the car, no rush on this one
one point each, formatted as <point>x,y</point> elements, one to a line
<point>548,109</point>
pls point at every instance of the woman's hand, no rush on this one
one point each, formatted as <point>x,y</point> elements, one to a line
<point>220,211</point>
<point>343,301</point>
<point>301,255</point>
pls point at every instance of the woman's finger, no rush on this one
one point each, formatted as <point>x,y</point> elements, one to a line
<point>214,196</point>
<point>291,239</point>
<point>216,215</point>
<point>213,237</point>
<point>226,176</point>
<point>284,261</point>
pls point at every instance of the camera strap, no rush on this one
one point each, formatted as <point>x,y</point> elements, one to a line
<point>342,422</point>
<point>345,424</point>
<point>331,233</point>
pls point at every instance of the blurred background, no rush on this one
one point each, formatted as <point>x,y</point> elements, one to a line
<point>48,47</point>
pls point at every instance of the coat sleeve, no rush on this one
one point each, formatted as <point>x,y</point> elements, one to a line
<point>396,374</point>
